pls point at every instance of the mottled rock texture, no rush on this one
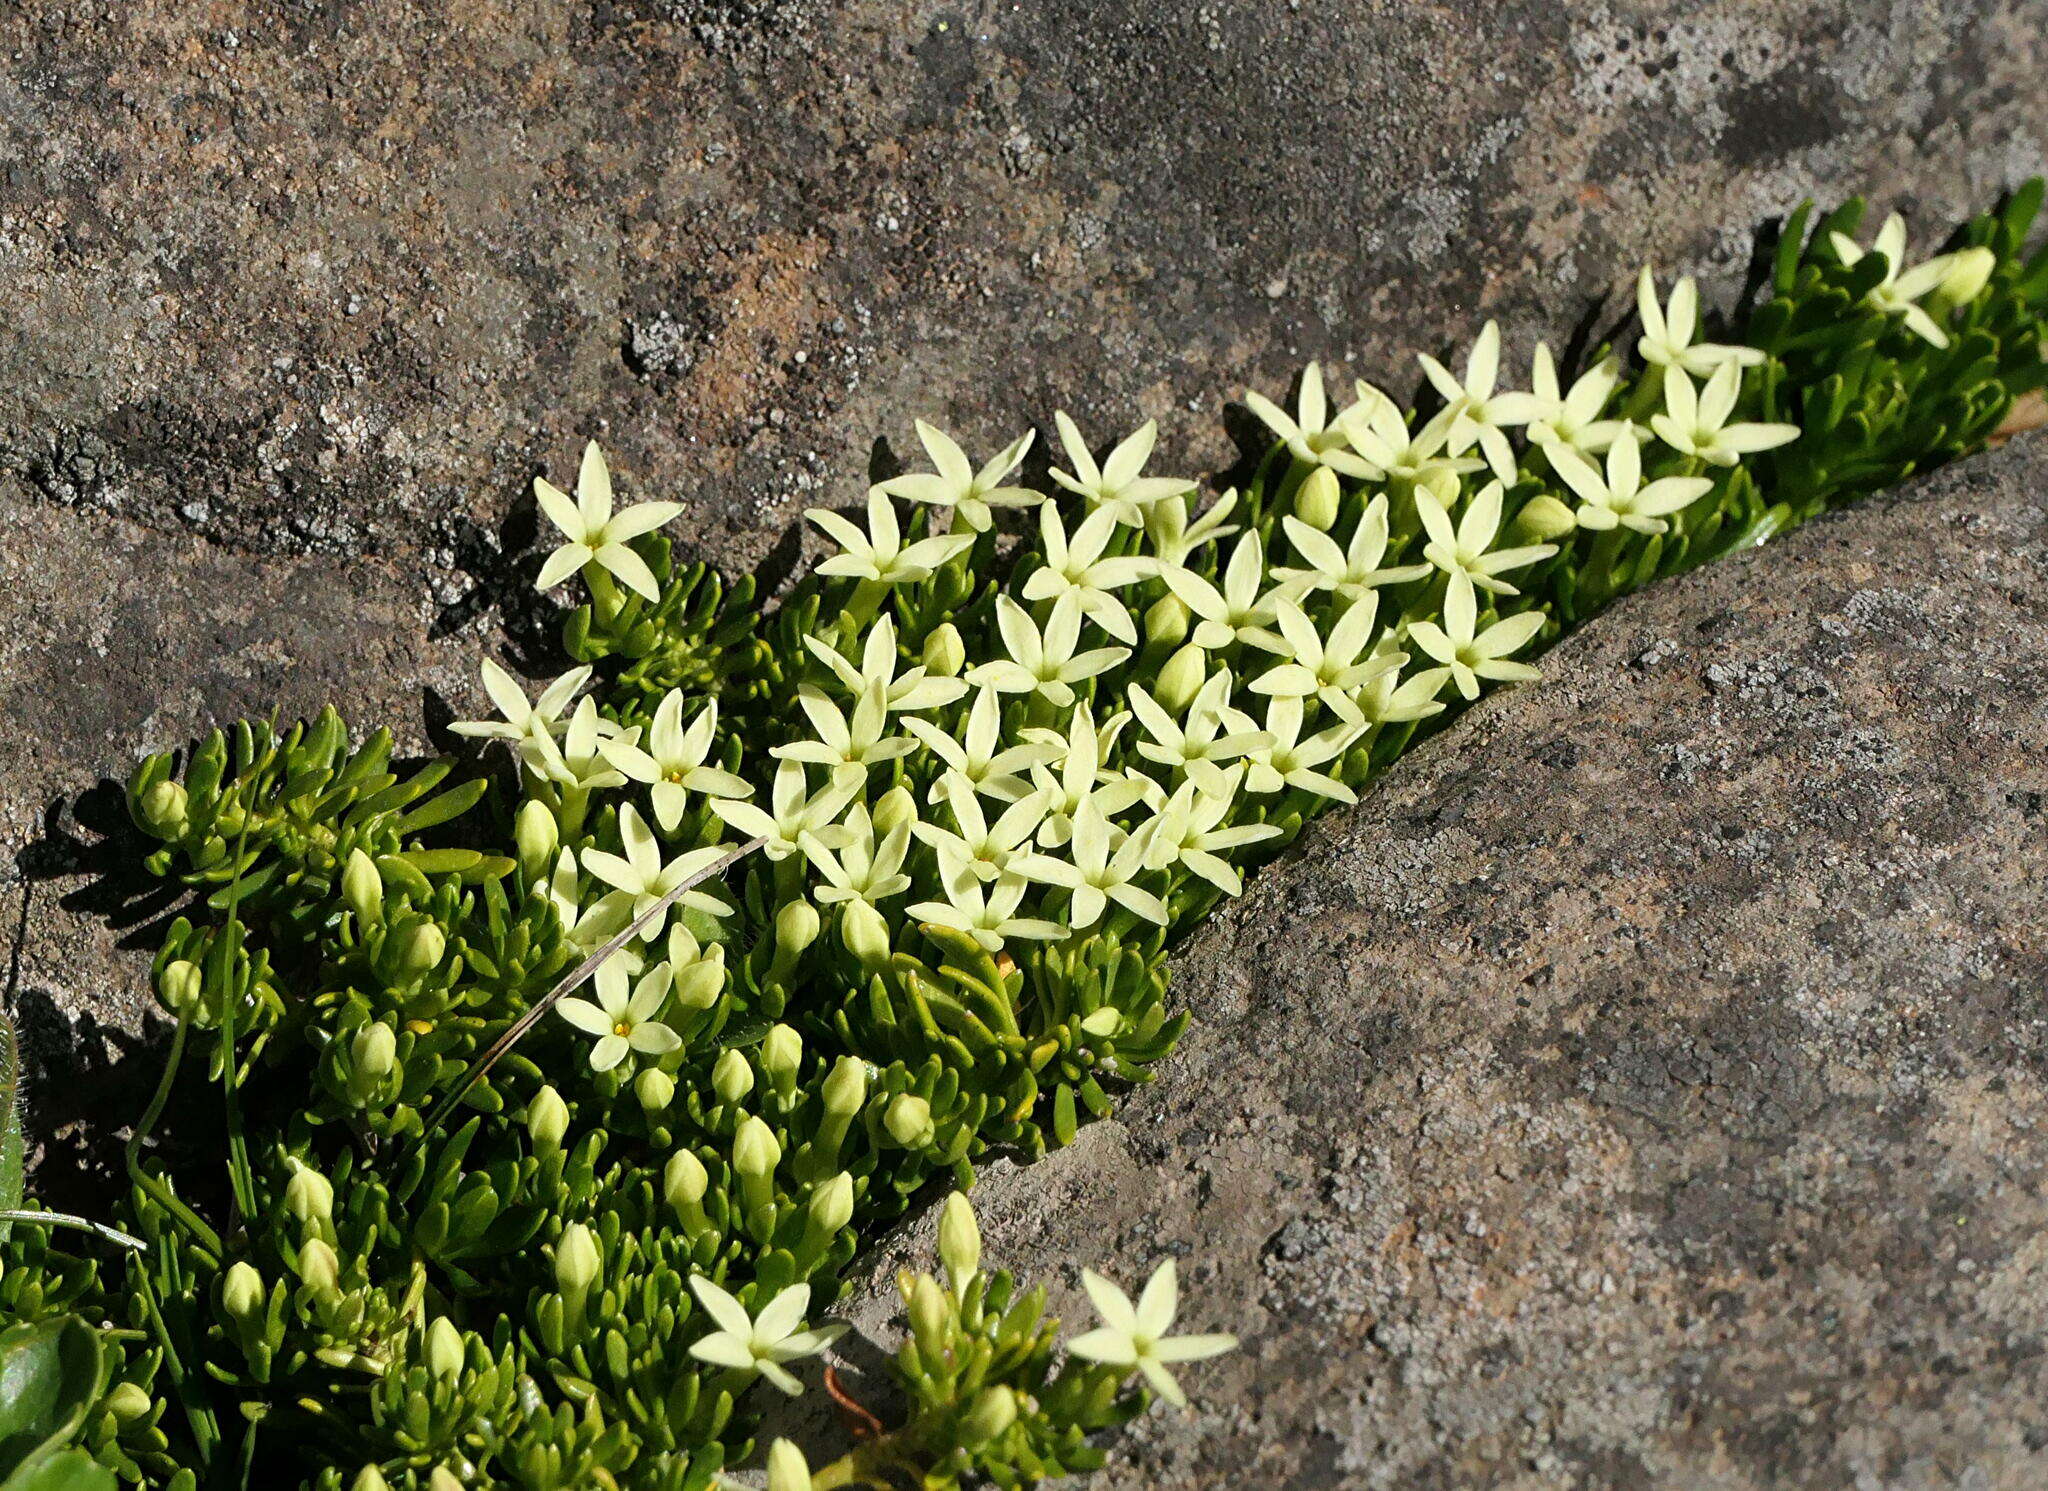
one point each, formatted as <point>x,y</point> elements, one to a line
<point>1647,1085</point>
<point>340,275</point>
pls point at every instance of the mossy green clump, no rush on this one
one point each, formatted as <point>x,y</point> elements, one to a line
<point>993,782</point>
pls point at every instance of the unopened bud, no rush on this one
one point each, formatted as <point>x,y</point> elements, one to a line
<point>782,1051</point>
<point>127,1402</point>
<point>369,1478</point>
<point>547,1121</point>
<point>909,1120</point>
<point>755,1149</point>
<point>959,1242</point>
<point>444,1479</point>
<point>1969,271</point>
<point>928,1308</point>
<point>241,1291</point>
<point>319,1266</point>
<point>536,836</point>
<point>444,1347</point>
<point>362,888</point>
<point>374,1051</point>
<point>684,1180</point>
<point>165,810</point>
<point>896,808</point>
<point>1543,517</point>
<point>1167,621</point>
<point>832,1205</point>
<point>993,1412</point>
<point>864,932</point>
<point>655,1088</point>
<point>180,986</point>
<point>787,1468</point>
<point>1316,502</point>
<point>846,1088</point>
<point>1181,679</point>
<point>577,1259</point>
<point>732,1076</point>
<point>418,950</point>
<point>796,927</point>
<point>308,1195</point>
<point>944,653</point>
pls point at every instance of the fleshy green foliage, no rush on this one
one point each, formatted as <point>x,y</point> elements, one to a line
<point>643,1210</point>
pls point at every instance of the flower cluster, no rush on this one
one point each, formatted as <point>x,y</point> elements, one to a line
<point>554,1122</point>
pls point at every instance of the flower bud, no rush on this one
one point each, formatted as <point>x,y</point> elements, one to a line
<point>362,888</point>
<point>1317,499</point>
<point>928,1308</point>
<point>655,1088</point>
<point>180,986</point>
<point>944,653</point>
<point>369,1478</point>
<point>127,1403</point>
<point>444,1347</point>
<point>414,951</point>
<point>319,1267</point>
<point>444,1479</point>
<point>547,1121</point>
<point>909,1120</point>
<point>796,927</point>
<point>1167,621</point>
<point>732,1076</point>
<point>684,1180</point>
<point>787,1469</point>
<point>864,932</point>
<point>959,1241</point>
<point>699,984</point>
<point>536,836</point>
<point>1969,271</point>
<point>577,1259</point>
<point>374,1051</point>
<point>896,808</point>
<point>241,1291</point>
<point>755,1149</point>
<point>166,810</point>
<point>993,1412</point>
<point>1181,679</point>
<point>831,1205</point>
<point>1543,518</point>
<point>782,1051</point>
<point>308,1195</point>
<point>846,1088</point>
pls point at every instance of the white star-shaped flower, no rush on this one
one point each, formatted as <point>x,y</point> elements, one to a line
<point>1350,571</point>
<point>1190,831</point>
<point>1102,865</point>
<point>1620,497</point>
<point>1897,293</point>
<point>623,1023</point>
<point>1173,538</point>
<point>578,761</point>
<point>1573,419</point>
<point>673,763</point>
<point>1198,745</point>
<point>1286,760</point>
<point>1044,661</point>
<point>1076,566</point>
<point>978,756</point>
<point>1467,549</point>
<point>957,485</point>
<point>596,535</point>
<point>763,1344</point>
<point>1328,669</point>
<point>1668,331</point>
<point>976,848</point>
<point>1138,1337</point>
<point>523,720</point>
<point>792,814</point>
<point>1407,461</point>
<point>1696,422</point>
<point>1084,774</point>
<point>914,689</point>
<point>646,877</point>
<point>1487,414</point>
<point>1310,435</point>
<point>1471,654</point>
<point>987,913</point>
<point>1118,483</point>
<point>880,554</point>
<point>847,744</point>
<point>1240,606</point>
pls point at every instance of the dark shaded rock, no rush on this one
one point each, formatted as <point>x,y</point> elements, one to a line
<point>1645,1085</point>
<point>307,276</point>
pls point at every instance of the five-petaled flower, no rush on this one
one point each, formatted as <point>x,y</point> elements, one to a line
<point>1077,566</point>
<point>1468,549</point>
<point>760,1344</point>
<point>1139,1336</point>
<point>523,720</point>
<point>1350,571</point>
<point>1102,866</point>
<point>1043,661</point>
<point>623,1022</point>
<point>1330,669</point>
<point>1901,289</point>
<point>1310,434</point>
<point>597,535</point>
<point>1485,414</point>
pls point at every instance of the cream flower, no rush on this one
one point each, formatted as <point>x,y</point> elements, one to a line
<point>643,874</point>
<point>1173,539</point>
<point>987,913</point>
<point>596,535</point>
<point>1350,571</point>
<point>1198,745</point>
<point>760,1344</point>
<point>1470,654</point>
<point>1668,331</point>
<point>523,720</point>
<point>1044,661</point>
<point>621,1022</point>
<point>1464,550</point>
<point>847,744</point>
<point>1620,497</point>
<point>1138,1337</point>
<point>1286,760</point>
<point>1408,460</point>
<point>1897,293</point>
<point>976,757</point>
<point>1076,566</point>
<point>1573,419</point>
<point>976,848</point>
<point>1310,434</point>
<point>1329,669</point>
<point>673,763</point>
<point>1240,606</point>
<point>957,485</point>
<point>1101,866</point>
<point>1697,423</point>
<point>1487,414</point>
<point>1117,483</point>
<point>792,814</point>
<point>914,689</point>
<point>880,554</point>
<point>1190,831</point>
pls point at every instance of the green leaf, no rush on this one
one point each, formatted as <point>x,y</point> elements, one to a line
<point>12,1162</point>
<point>68,1470</point>
<point>51,1372</point>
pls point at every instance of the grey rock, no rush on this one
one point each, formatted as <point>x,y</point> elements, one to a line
<point>341,278</point>
<point>1644,1085</point>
